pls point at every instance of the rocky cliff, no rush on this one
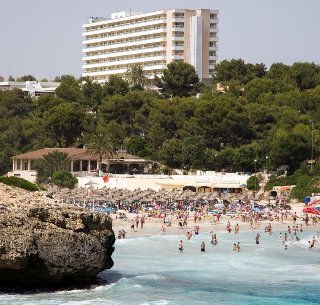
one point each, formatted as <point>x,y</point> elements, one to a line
<point>46,243</point>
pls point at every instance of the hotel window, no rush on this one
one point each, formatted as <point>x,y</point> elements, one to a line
<point>178,15</point>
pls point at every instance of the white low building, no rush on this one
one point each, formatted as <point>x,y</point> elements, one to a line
<point>205,182</point>
<point>33,88</point>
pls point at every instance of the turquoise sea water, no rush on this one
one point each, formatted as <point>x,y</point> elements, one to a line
<point>151,270</point>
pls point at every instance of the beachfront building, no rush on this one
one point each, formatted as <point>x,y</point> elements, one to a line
<point>220,182</point>
<point>32,88</point>
<point>151,40</point>
<point>82,163</point>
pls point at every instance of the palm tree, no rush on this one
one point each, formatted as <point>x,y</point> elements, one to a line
<point>101,145</point>
<point>52,162</point>
<point>136,77</point>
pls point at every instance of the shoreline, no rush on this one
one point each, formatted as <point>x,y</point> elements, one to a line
<point>152,226</point>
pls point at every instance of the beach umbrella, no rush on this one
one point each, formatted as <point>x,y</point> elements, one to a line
<point>219,205</point>
<point>90,183</point>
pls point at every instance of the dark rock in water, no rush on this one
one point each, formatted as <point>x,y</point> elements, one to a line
<point>43,243</point>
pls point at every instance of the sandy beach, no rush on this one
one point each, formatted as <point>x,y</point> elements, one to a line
<point>207,224</point>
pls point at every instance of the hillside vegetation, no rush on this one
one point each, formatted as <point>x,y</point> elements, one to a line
<point>263,115</point>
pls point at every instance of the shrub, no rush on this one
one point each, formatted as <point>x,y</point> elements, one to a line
<point>253,183</point>
<point>302,192</point>
<point>280,181</point>
<point>64,179</point>
<point>19,182</point>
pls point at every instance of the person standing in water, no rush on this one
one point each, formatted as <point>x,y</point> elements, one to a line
<point>257,239</point>
<point>181,246</point>
<point>236,229</point>
<point>203,247</point>
<point>162,230</point>
<point>238,247</point>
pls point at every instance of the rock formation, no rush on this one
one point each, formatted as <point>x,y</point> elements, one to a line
<point>47,243</point>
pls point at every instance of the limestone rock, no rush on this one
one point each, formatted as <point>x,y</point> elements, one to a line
<point>42,242</point>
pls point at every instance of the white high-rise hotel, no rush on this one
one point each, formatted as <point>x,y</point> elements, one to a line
<point>152,40</point>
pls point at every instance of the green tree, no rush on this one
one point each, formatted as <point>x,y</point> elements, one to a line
<point>64,123</point>
<point>52,162</point>
<point>259,86</point>
<point>104,142</point>
<point>136,77</point>
<point>238,70</point>
<point>131,110</point>
<point>11,78</point>
<point>64,179</point>
<point>92,94</point>
<point>279,71</point>
<point>25,78</point>
<point>58,79</point>
<point>253,183</point>
<point>136,145</point>
<point>306,75</point>
<point>171,152</point>
<point>115,85</point>
<point>101,145</point>
<point>69,89</point>
<point>178,79</point>
<point>290,147</point>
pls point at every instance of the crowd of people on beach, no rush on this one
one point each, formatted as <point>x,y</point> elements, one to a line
<point>182,219</point>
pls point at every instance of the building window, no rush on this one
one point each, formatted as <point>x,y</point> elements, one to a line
<point>93,165</point>
<point>76,166</point>
<point>213,16</point>
<point>178,15</point>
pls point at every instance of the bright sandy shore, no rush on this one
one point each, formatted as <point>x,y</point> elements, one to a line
<point>152,226</point>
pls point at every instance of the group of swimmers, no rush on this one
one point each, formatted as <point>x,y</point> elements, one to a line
<point>268,229</point>
<point>236,247</point>
<point>294,237</point>
<point>181,247</point>
<point>236,228</point>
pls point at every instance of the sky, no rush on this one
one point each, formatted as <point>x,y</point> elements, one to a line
<point>44,37</point>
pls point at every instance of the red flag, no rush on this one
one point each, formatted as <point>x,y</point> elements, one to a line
<point>105,179</point>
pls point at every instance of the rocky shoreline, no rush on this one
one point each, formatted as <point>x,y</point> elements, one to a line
<point>46,244</point>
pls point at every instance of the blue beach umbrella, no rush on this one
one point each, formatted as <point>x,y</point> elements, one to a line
<point>307,199</point>
<point>256,210</point>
